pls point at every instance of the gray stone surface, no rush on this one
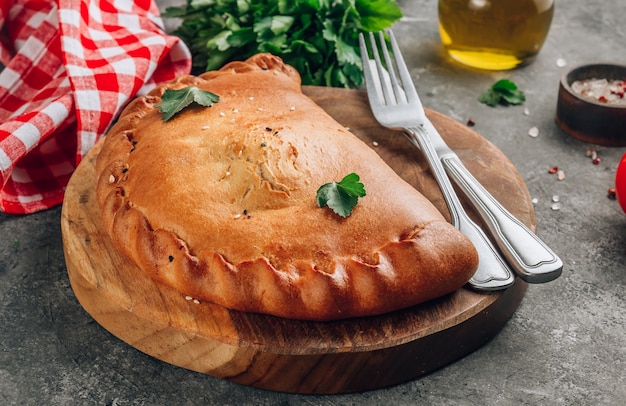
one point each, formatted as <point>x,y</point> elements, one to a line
<point>566,344</point>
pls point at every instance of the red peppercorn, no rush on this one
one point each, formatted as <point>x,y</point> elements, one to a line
<point>612,193</point>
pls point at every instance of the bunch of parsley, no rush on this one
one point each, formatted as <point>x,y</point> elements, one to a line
<point>317,37</point>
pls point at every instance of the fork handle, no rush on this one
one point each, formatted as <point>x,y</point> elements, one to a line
<point>529,256</point>
<point>492,273</point>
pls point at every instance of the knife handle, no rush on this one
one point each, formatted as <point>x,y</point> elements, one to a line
<point>529,256</point>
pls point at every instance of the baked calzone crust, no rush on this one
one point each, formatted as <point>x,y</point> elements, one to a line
<point>220,203</point>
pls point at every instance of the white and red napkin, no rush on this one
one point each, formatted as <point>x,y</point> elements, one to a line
<point>70,66</point>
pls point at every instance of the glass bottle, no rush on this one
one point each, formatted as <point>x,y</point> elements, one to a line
<point>494,34</point>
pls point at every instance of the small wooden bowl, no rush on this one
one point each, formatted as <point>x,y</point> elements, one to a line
<point>589,120</point>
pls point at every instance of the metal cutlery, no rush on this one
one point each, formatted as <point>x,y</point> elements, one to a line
<point>395,104</point>
<point>397,107</point>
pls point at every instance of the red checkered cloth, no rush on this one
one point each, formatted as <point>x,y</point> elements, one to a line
<point>70,66</point>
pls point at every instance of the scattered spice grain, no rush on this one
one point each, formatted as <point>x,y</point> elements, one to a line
<point>612,193</point>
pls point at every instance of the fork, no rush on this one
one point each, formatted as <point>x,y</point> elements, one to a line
<point>527,254</point>
<point>399,107</point>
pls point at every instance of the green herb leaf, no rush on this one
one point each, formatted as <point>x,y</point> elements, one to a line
<point>504,92</point>
<point>317,37</point>
<point>341,196</point>
<point>489,97</point>
<point>376,15</point>
<point>174,101</point>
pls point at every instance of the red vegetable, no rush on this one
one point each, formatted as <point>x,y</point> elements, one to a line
<point>620,183</point>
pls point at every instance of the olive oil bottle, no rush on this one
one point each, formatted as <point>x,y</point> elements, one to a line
<point>494,34</point>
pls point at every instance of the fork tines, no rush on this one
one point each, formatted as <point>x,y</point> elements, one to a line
<point>398,88</point>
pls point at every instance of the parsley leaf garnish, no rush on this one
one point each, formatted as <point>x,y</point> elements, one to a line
<point>318,38</point>
<point>504,92</point>
<point>174,101</point>
<point>341,196</point>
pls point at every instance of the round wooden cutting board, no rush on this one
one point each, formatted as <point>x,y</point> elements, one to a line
<point>287,355</point>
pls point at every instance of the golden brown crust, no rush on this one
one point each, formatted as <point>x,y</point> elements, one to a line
<point>219,203</point>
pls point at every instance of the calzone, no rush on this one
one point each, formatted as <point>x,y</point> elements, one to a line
<point>219,203</point>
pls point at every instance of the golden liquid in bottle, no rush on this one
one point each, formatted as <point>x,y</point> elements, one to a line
<point>494,34</point>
